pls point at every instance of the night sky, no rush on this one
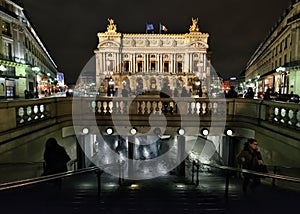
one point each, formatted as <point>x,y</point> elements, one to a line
<point>69,28</point>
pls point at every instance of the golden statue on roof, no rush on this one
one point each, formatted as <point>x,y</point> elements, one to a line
<point>194,27</point>
<point>112,27</point>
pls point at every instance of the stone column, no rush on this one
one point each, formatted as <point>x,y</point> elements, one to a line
<point>147,63</point>
<point>134,63</point>
<point>159,63</point>
<point>181,155</point>
<point>144,64</point>
<point>131,144</point>
<point>174,63</point>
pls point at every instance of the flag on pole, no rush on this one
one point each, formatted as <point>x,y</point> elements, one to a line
<point>163,28</point>
<point>149,27</point>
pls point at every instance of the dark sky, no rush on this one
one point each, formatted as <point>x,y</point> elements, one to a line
<point>69,28</point>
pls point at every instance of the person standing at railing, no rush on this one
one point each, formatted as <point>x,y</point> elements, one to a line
<point>231,93</point>
<point>250,158</point>
<point>267,94</point>
<point>56,158</point>
<point>249,94</point>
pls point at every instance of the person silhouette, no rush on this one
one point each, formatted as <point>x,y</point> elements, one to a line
<point>250,93</point>
<point>231,93</point>
<point>55,157</point>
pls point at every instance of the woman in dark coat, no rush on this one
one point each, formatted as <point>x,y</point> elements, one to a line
<point>55,157</point>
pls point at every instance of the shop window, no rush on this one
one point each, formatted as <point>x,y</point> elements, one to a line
<point>10,86</point>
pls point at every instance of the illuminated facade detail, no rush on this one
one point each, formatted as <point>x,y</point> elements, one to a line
<point>276,62</point>
<point>144,61</point>
<point>194,27</point>
<point>25,63</point>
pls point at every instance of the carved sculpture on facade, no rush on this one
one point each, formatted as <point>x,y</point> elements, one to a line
<point>112,27</point>
<point>194,27</point>
<point>133,43</point>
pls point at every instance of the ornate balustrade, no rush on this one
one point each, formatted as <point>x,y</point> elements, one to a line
<point>39,113</point>
<point>153,105</point>
<point>287,115</point>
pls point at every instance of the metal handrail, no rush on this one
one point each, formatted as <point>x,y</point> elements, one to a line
<point>261,174</point>
<point>42,179</point>
<point>31,181</point>
<point>21,163</point>
<point>71,163</point>
<point>239,170</point>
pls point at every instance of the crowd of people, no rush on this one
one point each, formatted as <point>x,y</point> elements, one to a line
<point>268,94</point>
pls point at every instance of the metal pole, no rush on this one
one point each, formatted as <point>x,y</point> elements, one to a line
<point>273,180</point>
<point>123,168</point>
<point>197,178</point>
<point>120,172</point>
<point>99,181</point>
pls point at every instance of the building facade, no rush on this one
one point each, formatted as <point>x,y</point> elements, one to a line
<point>142,63</point>
<point>25,64</point>
<point>276,62</point>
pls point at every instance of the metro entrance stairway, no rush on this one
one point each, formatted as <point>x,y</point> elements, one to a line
<point>167,194</point>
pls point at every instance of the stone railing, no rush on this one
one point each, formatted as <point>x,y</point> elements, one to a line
<point>26,113</point>
<point>144,105</point>
<point>287,115</point>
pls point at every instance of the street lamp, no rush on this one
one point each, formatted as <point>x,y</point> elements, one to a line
<point>204,131</point>
<point>109,130</point>
<point>133,131</point>
<point>228,132</point>
<point>181,131</point>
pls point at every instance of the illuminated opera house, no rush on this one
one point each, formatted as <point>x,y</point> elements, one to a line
<point>142,63</point>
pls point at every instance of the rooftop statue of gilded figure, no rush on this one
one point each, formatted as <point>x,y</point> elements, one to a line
<point>194,27</point>
<point>112,27</point>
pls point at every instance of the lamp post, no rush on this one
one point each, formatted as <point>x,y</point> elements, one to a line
<point>36,70</point>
